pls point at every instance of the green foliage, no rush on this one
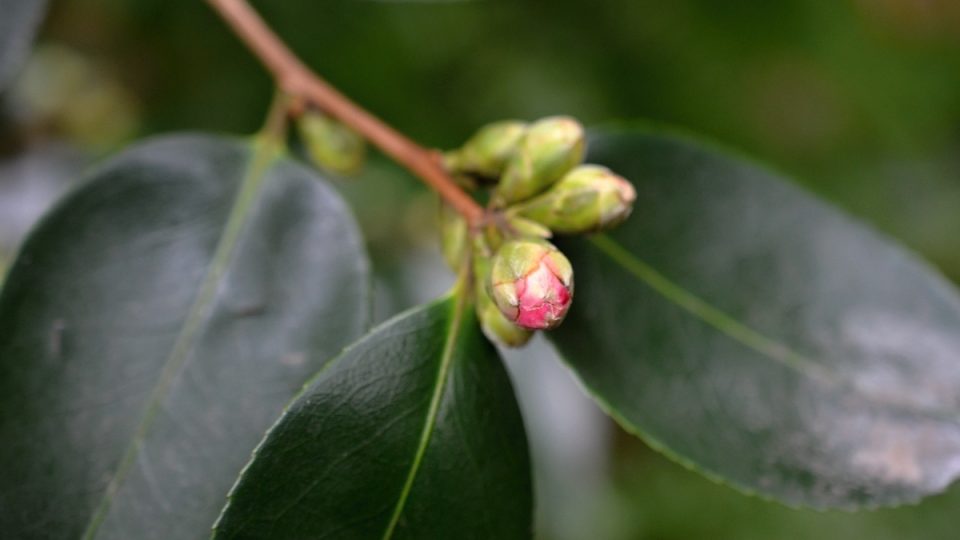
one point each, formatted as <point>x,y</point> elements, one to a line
<point>160,319</point>
<point>413,432</point>
<point>735,322</point>
<point>761,336</point>
<point>155,324</point>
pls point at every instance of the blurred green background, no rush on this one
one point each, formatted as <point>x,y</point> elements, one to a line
<point>859,100</point>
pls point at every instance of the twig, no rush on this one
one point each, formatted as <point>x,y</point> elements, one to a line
<point>297,80</point>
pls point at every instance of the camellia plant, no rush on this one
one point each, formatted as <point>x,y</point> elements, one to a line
<point>185,351</point>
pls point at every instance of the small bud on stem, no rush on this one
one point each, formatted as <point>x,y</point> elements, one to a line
<point>532,283</point>
<point>589,198</point>
<point>551,147</point>
<point>486,153</point>
<point>331,144</point>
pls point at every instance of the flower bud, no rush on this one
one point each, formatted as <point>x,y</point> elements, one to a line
<point>453,236</point>
<point>532,283</point>
<point>330,144</point>
<point>588,198</point>
<point>486,153</point>
<point>551,147</point>
<point>494,324</point>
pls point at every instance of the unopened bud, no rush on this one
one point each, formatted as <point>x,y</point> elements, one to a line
<point>588,198</point>
<point>549,150</point>
<point>486,153</point>
<point>532,283</point>
<point>453,236</point>
<point>494,324</point>
<point>330,144</point>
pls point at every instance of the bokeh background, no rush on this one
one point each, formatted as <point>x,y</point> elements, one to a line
<point>858,100</point>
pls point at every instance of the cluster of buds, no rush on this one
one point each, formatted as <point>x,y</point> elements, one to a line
<point>538,186</point>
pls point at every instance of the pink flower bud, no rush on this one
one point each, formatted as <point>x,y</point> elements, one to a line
<point>532,283</point>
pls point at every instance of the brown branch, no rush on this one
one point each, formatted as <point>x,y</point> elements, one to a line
<point>296,79</point>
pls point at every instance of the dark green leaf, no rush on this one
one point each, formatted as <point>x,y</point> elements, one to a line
<point>413,432</point>
<point>18,22</point>
<point>763,337</point>
<point>154,326</point>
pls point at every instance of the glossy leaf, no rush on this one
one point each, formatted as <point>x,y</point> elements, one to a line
<point>413,432</point>
<point>17,26</point>
<point>154,326</point>
<point>763,337</point>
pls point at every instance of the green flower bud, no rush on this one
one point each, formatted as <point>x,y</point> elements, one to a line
<point>494,324</point>
<point>551,148</point>
<point>486,153</point>
<point>588,198</point>
<point>532,283</point>
<point>330,144</point>
<point>453,236</point>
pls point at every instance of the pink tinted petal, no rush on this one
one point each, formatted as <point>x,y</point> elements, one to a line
<point>536,317</point>
<point>543,299</point>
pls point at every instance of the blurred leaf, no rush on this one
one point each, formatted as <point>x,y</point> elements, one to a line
<point>762,337</point>
<point>155,324</point>
<point>414,432</point>
<point>17,27</point>
<point>652,498</point>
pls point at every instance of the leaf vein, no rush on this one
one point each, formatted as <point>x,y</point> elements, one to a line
<point>199,311</point>
<point>711,315</point>
<point>446,359</point>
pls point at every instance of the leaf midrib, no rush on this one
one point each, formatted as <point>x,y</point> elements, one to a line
<point>709,314</point>
<point>446,359</point>
<point>264,153</point>
<point>744,334</point>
